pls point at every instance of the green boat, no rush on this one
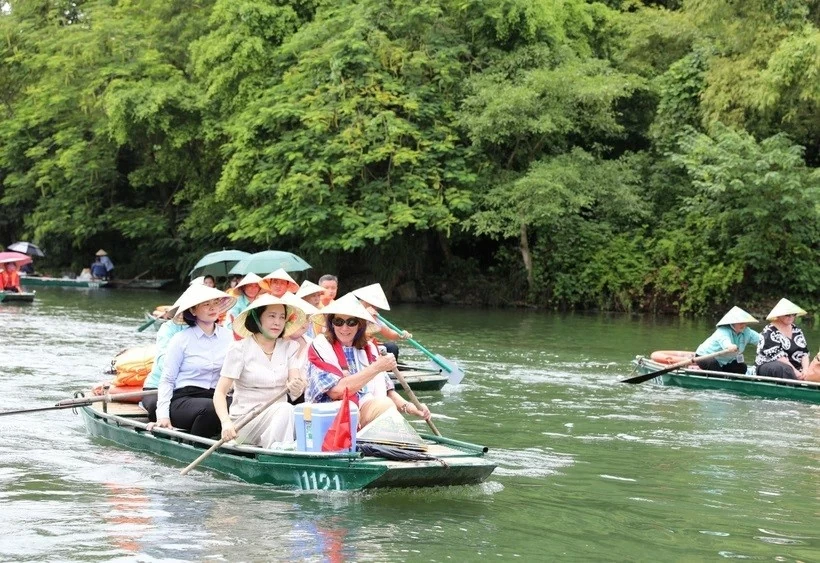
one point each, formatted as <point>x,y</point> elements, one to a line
<point>13,297</point>
<point>420,378</point>
<point>139,284</point>
<point>28,281</point>
<point>456,463</point>
<point>755,385</point>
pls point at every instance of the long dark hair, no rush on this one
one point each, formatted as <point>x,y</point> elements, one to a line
<point>252,324</point>
<point>359,341</point>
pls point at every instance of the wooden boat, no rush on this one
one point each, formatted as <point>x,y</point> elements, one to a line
<point>28,281</point>
<point>421,378</point>
<point>138,284</point>
<point>755,385</point>
<point>12,297</point>
<point>458,463</point>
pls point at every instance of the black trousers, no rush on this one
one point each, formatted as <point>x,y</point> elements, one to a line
<point>149,403</point>
<point>712,365</point>
<point>192,408</point>
<point>392,348</point>
<point>776,369</point>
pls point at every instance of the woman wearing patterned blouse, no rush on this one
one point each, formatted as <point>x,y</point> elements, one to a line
<point>782,351</point>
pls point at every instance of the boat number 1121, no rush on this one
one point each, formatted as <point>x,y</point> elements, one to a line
<point>322,481</point>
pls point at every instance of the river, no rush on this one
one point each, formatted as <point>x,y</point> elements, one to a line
<point>588,468</point>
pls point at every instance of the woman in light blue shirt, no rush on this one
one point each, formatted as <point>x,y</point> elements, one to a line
<point>193,361</point>
<point>732,335</point>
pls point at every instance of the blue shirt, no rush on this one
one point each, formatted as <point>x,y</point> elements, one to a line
<point>109,265</point>
<point>242,303</point>
<point>724,337</point>
<point>321,381</point>
<point>164,335</point>
<point>193,359</point>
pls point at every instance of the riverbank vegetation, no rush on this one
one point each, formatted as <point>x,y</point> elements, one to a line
<point>625,155</point>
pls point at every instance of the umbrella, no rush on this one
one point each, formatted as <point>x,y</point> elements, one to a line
<point>267,261</point>
<point>16,257</point>
<point>26,248</point>
<point>218,263</point>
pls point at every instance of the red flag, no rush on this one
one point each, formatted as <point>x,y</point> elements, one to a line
<point>338,436</point>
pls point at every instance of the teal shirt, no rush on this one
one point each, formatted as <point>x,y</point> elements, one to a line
<point>241,304</point>
<point>164,335</point>
<point>724,337</point>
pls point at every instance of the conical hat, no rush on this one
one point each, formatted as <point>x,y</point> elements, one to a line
<point>249,279</point>
<point>391,428</point>
<point>198,281</point>
<point>346,305</point>
<point>279,274</point>
<point>785,307</point>
<point>736,315</point>
<point>296,315</point>
<point>308,288</point>
<point>299,303</point>
<point>197,294</point>
<point>101,252</point>
<point>373,294</point>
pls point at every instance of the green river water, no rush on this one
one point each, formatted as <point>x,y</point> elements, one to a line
<point>588,469</point>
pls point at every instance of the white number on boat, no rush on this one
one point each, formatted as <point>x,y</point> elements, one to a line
<point>322,481</point>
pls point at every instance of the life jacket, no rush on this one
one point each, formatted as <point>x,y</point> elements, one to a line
<point>332,358</point>
<point>11,280</point>
<point>132,366</point>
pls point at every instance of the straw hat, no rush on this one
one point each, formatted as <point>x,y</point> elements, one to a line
<point>279,274</point>
<point>736,315</point>
<point>236,291</point>
<point>296,315</point>
<point>785,307</point>
<point>374,295</point>
<point>198,281</point>
<point>197,294</point>
<point>101,252</point>
<point>308,288</point>
<point>347,305</point>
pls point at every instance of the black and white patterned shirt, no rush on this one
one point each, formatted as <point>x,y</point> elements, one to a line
<point>774,344</point>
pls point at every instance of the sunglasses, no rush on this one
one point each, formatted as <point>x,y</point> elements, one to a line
<point>351,322</point>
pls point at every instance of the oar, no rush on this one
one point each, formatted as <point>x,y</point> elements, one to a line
<point>85,401</point>
<point>673,367</point>
<point>413,398</point>
<point>454,372</point>
<point>129,282</point>
<point>242,422</point>
<point>147,324</point>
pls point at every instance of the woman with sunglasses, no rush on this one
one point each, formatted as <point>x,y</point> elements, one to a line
<point>262,366</point>
<point>782,351</point>
<point>342,359</point>
<point>192,363</point>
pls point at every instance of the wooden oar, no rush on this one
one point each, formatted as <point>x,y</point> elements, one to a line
<point>673,367</point>
<point>129,282</point>
<point>413,399</point>
<point>454,372</point>
<point>85,401</point>
<point>242,422</point>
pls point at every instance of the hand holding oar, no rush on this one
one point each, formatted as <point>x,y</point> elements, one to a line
<point>85,401</point>
<point>454,373</point>
<point>673,367</point>
<point>259,409</point>
<point>414,399</point>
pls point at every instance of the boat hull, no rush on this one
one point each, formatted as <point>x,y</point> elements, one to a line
<point>420,379</point>
<point>139,284</point>
<point>299,470</point>
<point>12,297</point>
<point>756,386</point>
<point>28,281</point>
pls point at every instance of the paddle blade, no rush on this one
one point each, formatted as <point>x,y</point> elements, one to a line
<point>454,372</point>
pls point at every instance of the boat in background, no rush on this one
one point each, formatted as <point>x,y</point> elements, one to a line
<point>420,378</point>
<point>139,284</point>
<point>45,281</point>
<point>452,462</point>
<point>14,297</point>
<point>754,385</point>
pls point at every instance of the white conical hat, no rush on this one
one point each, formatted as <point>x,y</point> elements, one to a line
<point>296,301</point>
<point>736,315</point>
<point>249,279</point>
<point>785,307</point>
<point>373,294</point>
<point>198,281</point>
<point>346,305</point>
<point>308,288</point>
<point>296,315</point>
<point>279,274</point>
<point>197,294</point>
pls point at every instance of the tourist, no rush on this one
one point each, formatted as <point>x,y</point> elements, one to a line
<point>330,285</point>
<point>342,358</point>
<point>312,294</point>
<point>732,334</point>
<point>373,297</point>
<point>192,363</point>
<point>278,282</point>
<point>782,351</point>
<point>262,366</point>
<point>98,270</point>
<point>245,292</point>
<point>109,265</point>
<point>10,278</point>
<point>209,281</point>
<point>164,335</point>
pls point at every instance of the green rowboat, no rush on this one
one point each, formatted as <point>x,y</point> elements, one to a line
<point>420,378</point>
<point>139,284</point>
<point>755,385</point>
<point>28,281</point>
<point>457,463</point>
<point>13,297</point>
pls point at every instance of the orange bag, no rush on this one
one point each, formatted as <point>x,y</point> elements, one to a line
<point>133,365</point>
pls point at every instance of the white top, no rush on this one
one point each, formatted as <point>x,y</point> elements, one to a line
<point>257,378</point>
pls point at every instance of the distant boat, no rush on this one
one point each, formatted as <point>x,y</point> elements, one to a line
<point>139,284</point>
<point>45,281</point>
<point>12,297</point>
<point>420,378</point>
